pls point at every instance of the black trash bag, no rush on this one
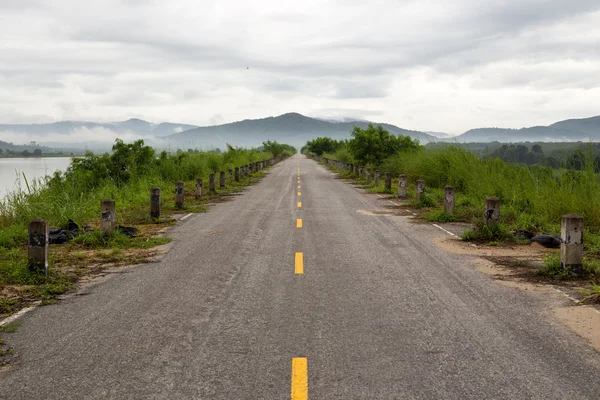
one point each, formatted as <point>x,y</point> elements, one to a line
<point>64,234</point>
<point>546,240</point>
<point>128,231</point>
<point>521,233</point>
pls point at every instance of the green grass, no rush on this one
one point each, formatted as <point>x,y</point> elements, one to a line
<point>552,268</point>
<point>126,175</point>
<point>484,233</point>
<point>440,216</point>
<point>591,294</point>
<point>11,328</point>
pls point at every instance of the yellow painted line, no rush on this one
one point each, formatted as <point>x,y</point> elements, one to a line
<point>299,378</point>
<point>299,194</point>
<point>299,204</point>
<point>298,186</point>
<point>299,264</point>
<point>299,223</point>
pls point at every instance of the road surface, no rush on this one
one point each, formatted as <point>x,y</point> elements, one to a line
<point>251,303</point>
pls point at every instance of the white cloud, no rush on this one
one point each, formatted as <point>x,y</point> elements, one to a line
<point>440,65</point>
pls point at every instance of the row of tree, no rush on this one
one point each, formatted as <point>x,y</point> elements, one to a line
<point>368,146</point>
<point>24,153</point>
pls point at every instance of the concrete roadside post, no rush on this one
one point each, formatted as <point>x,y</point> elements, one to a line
<point>37,252</point>
<point>230,175</point>
<point>179,194</point>
<point>222,179</point>
<point>199,184</point>
<point>377,176</point>
<point>368,178</point>
<point>571,247</point>
<point>212,185</point>
<point>491,216</point>
<point>237,174</point>
<point>402,186</point>
<point>155,202</point>
<point>108,215</point>
<point>388,182</point>
<point>449,200</point>
<point>420,189</point>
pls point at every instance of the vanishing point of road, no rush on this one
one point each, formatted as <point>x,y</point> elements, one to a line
<point>299,289</point>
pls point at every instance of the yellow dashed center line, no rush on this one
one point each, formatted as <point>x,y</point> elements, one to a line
<point>299,264</point>
<point>299,204</point>
<point>299,223</point>
<point>299,194</point>
<point>298,186</point>
<point>299,378</point>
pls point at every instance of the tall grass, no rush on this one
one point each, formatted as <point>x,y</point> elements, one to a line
<point>126,175</point>
<point>533,197</point>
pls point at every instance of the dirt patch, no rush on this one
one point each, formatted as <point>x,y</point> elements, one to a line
<point>458,246</point>
<point>582,320</point>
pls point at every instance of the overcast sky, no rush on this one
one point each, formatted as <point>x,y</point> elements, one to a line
<point>445,65</point>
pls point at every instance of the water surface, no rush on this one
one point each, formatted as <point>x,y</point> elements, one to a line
<point>12,170</point>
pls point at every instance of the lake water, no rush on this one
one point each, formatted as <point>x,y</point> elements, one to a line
<point>12,169</point>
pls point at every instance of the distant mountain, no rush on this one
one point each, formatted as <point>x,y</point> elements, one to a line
<point>291,128</point>
<point>134,126</point>
<point>571,130</point>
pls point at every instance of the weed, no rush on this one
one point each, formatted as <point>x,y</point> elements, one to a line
<point>426,201</point>
<point>484,233</point>
<point>11,328</point>
<point>8,305</point>
<point>591,295</point>
<point>440,216</point>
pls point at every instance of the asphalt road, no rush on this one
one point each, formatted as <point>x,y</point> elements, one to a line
<point>378,313</point>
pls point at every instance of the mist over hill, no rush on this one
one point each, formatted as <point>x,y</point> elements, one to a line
<point>82,135</point>
<point>290,128</point>
<point>571,130</point>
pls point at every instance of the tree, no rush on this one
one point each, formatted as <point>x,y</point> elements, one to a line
<point>322,145</point>
<point>37,152</point>
<point>25,153</point>
<point>375,144</point>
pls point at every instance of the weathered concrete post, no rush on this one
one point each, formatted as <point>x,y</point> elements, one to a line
<point>402,186</point>
<point>449,200</point>
<point>388,182</point>
<point>420,189</point>
<point>37,252</point>
<point>230,175</point>
<point>237,174</point>
<point>199,184</point>
<point>108,215</point>
<point>492,211</point>
<point>179,194</point>
<point>571,248</point>
<point>368,177</point>
<point>222,179</point>
<point>212,185</point>
<point>155,202</point>
<point>377,176</point>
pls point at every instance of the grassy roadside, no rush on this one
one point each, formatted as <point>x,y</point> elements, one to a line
<point>533,198</point>
<point>126,175</point>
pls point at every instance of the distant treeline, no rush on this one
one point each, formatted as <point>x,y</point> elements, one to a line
<point>569,155</point>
